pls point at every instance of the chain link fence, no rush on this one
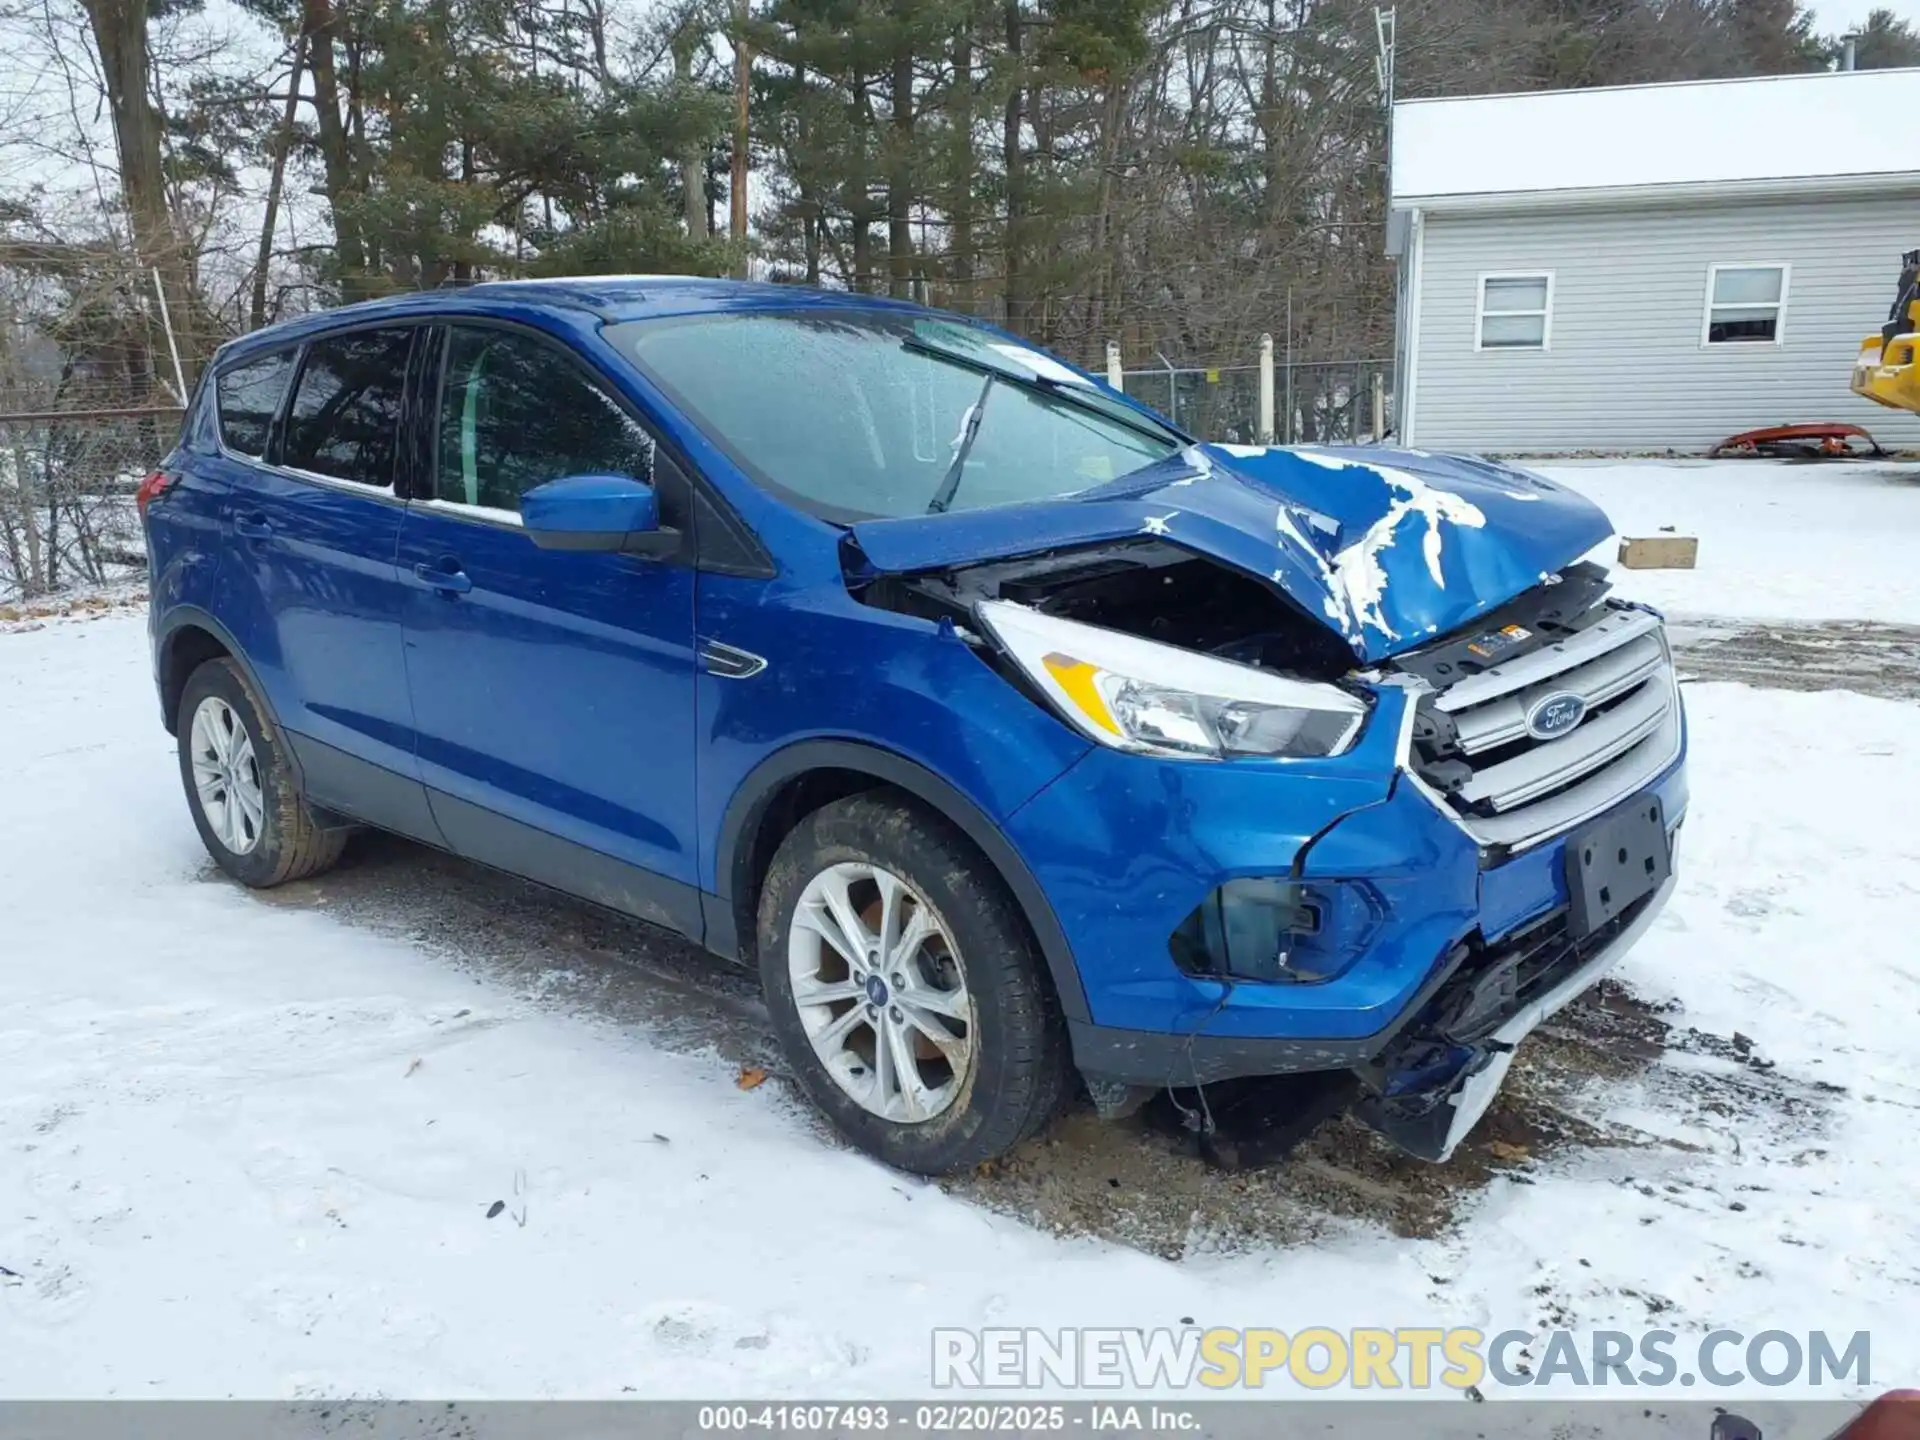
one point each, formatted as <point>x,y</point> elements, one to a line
<point>94,370</point>
<point>1330,402</point>
<point>67,483</point>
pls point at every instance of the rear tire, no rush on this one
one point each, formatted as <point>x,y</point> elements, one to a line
<point>245,801</point>
<point>930,1037</point>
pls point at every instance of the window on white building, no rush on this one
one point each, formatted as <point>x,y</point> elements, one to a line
<point>1746,305</point>
<point>1515,312</point>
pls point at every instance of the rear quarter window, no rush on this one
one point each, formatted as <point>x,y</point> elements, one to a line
<point>248,397</point>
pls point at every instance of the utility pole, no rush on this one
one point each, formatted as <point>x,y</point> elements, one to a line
<point>1386,34</point>
<point>1384,37</point>
<point>742,94</point>
<point>1263,423</point>
<point>1289,411</point>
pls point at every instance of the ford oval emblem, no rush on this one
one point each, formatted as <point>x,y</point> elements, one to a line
<point>1554,715</point>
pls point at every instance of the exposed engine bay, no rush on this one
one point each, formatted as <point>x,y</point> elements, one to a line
<point>1542,616</point>
<point>1143,587</point>
<point>1162,592</point>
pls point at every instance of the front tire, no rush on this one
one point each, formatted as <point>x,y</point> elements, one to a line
<point>905,989</point>
<point>245,800</point>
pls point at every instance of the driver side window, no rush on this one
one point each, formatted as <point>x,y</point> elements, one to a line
<point>514,414</point>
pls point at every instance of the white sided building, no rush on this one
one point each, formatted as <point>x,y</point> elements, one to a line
<point>1651,267</point>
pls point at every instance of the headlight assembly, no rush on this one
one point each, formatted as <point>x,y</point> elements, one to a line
<point>1135,694</point>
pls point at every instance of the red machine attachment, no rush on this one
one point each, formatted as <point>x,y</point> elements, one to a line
<point>1829,441</point>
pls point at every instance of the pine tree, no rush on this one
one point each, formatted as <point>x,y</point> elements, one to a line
<point>1885,42</point>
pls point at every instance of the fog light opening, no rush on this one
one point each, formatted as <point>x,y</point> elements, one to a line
<point>1274,931</point>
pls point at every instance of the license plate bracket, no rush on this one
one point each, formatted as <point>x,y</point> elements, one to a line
<point>1622,857</point>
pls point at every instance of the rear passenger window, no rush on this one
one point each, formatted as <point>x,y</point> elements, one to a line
<point>249,397</point>
<point>345,417</point>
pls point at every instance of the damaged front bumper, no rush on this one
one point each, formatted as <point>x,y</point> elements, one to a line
<point>1468,948</point>
<point>1430,1119</point>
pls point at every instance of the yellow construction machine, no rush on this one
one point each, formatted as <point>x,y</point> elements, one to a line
<point>1886,372</point>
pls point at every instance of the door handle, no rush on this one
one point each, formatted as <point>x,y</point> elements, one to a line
<point>448,577</point>
<point>253,527</point>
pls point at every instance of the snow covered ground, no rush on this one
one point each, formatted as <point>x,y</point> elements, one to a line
<point>1778,540</point>
<point>249,1146</point>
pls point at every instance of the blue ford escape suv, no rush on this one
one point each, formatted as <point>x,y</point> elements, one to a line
<point>1013,735</point>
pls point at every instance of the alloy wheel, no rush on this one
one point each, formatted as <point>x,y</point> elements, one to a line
<point>881,992</point>
<point>226,776</point>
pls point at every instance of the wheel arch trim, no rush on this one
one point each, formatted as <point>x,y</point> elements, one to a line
<point>183,617</point>
<point>733,853</point>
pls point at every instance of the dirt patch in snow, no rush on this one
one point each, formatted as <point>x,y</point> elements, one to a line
<point>87,603</point>
<point>1129,1182</point>
<point>1860,655</point>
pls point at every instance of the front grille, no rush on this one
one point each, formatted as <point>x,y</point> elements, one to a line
<point>1472,740</point>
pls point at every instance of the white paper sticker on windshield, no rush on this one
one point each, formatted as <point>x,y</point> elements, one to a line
<point>1045,366</point>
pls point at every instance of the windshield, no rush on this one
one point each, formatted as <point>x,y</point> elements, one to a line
<point>858,414</point>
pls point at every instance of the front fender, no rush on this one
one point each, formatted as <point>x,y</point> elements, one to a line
<point>727,920</point>
<point>852,688</point>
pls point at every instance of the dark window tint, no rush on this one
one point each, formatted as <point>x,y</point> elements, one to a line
<point>515,413</point>
<point>345,417</point>
<point>249,397</point>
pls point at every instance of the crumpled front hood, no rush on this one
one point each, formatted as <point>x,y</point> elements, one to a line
<point>1424,543</point>
<point>1387,547</point>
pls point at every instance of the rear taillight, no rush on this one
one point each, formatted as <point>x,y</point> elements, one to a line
<point>151,489</point>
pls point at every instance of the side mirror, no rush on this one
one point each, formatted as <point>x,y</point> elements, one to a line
<point>596,512</point>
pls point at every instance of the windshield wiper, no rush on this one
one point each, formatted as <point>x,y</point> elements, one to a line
<point>962,447</point>
<point>1081,396</point>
